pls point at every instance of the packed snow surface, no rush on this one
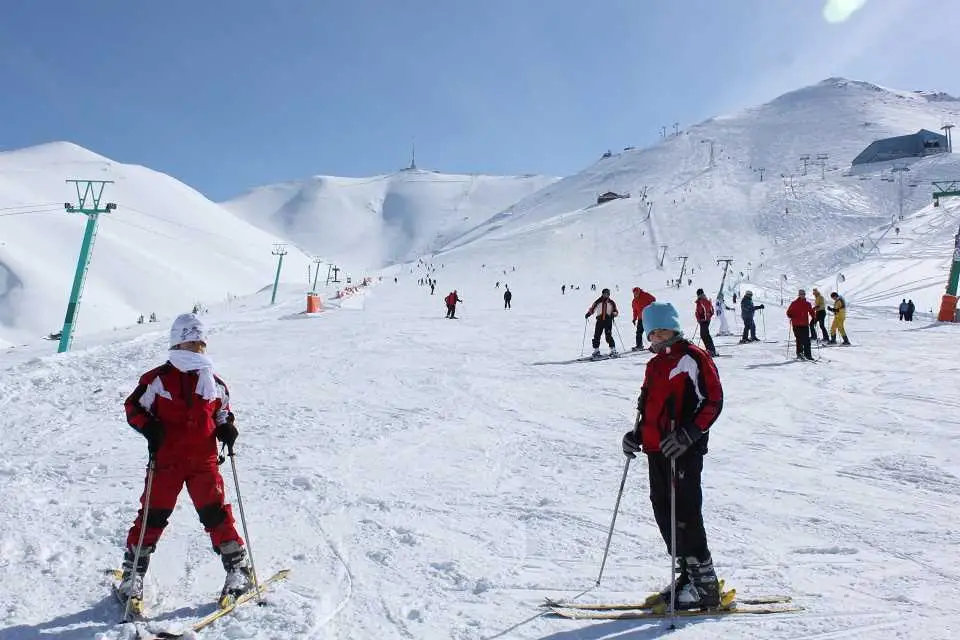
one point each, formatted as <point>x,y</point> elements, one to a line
<point>433,478</point>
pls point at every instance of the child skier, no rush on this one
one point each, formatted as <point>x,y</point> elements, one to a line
<point>606,310</point>
<point>182,408</point>
<point>680,399</point>
<point>839,311</point>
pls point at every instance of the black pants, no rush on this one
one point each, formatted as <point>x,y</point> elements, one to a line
<point>802,334</point>
<point>604,325</point>
<point>749,327</point>
<point>821,316</point>
<point>639,334</point>
<point>506,303</point>
<point>705,336</point>
<point>691,536</point>
<point>451,311</point>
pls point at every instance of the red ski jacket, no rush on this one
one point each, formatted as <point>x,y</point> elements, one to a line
<point>640,303</point>
<point>169,396</point>
<point>604,309</point>
<point>801,313</point>
<point>704,309</point>
<point>681,385</point>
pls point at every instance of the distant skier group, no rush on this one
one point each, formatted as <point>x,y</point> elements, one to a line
<point>906,310</point>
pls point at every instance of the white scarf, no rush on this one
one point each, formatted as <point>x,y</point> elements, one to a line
<point>202,364</point>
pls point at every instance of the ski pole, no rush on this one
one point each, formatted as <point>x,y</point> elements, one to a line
<point>243,521</point>
<point>673,541</point>
<point>763,319</point>
<point>616,508</point>
<point>620,335</point>
<point>151,465</point>
<point>583,342</point>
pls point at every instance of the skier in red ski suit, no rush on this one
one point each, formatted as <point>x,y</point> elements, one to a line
<point>641,299</point>
<point>182,409</point>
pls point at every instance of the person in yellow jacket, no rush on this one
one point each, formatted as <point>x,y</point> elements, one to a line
<point>820,307</point>
<point>839,310</point>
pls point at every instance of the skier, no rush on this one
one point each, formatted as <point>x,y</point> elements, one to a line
<point>801,316</point>
<point>606,310</point>
<point>720,308</point>
<point>820,309</point>
<point>563,289</point>
<point>182,408</point>
<point>839,311</point>
<point>452,299</point>
<point>910,309</point>
<point>433,285</point>
<point>903,310</point>
<point>704,314</point>
<point>680,399</point>
<point>747,310</point>
<point>507,297</point>
<point>640,301</point>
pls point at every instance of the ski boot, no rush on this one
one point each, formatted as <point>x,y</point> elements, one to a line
<point>662,599</point>
<point>614,353</point>
<point>239,578</point>
<point>703,589</point>
<point>130,588</point>
<point>595,354</point>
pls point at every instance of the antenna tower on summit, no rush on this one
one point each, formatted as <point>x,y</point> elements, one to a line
<point>413,155</point>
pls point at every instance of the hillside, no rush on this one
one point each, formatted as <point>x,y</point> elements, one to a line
<point>164,248</point>
<point>384,219</point>
<point>804,226</point>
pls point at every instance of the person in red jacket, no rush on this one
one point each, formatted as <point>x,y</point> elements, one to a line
<point>680,400</point>
<point>182,409</point>
<point>802,315</point>
<point>704,314</point>
<point>452,299</point>
<point>640,300</point>
<point>606,310</point>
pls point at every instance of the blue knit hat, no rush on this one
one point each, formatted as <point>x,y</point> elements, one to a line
<point>661,315</point>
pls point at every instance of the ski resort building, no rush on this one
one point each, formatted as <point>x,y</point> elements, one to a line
<point>916,145</point>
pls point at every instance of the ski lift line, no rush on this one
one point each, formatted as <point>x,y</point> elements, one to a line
<point>32,205</point>
<point>29,213</point>
<point>181,238</point>
<point>186,226</point>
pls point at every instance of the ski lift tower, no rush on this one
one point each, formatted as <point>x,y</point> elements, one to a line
<point>726,265</point>
<point>88,203</point>
<point>333,274</point>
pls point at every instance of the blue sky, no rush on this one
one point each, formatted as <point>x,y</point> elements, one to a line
<point>227,95</point>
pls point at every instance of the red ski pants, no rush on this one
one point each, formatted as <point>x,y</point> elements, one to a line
<point>205,486</point>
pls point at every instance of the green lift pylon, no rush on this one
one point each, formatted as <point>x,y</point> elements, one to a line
<point>90,194</point>
<point>278,250</point>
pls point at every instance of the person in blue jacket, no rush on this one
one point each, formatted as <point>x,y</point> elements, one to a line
<point>747,309</point>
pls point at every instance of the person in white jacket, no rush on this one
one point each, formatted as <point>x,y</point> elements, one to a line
<point>720,309</point>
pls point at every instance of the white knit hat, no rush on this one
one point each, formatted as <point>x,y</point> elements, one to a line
<point>187,328</point>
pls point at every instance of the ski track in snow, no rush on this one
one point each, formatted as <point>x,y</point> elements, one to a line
<point>424,480</point>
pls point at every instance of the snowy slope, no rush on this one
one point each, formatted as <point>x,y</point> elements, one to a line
<point>803,226</point>
<point>163,249</point>
<point>431,478</point>
<point>384,219</point>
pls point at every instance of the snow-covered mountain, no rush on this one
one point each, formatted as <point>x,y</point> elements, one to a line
<point>164,248</point>
<point>805,225</point>
<point>384,219</point>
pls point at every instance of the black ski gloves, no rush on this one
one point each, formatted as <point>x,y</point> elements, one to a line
<point>759,307</point>
<point>831,310</point>
<point>153,432</point>
<point>674,444</point>
<point>586,315</point>
<point>631,446</point>
<point>227,432</point>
